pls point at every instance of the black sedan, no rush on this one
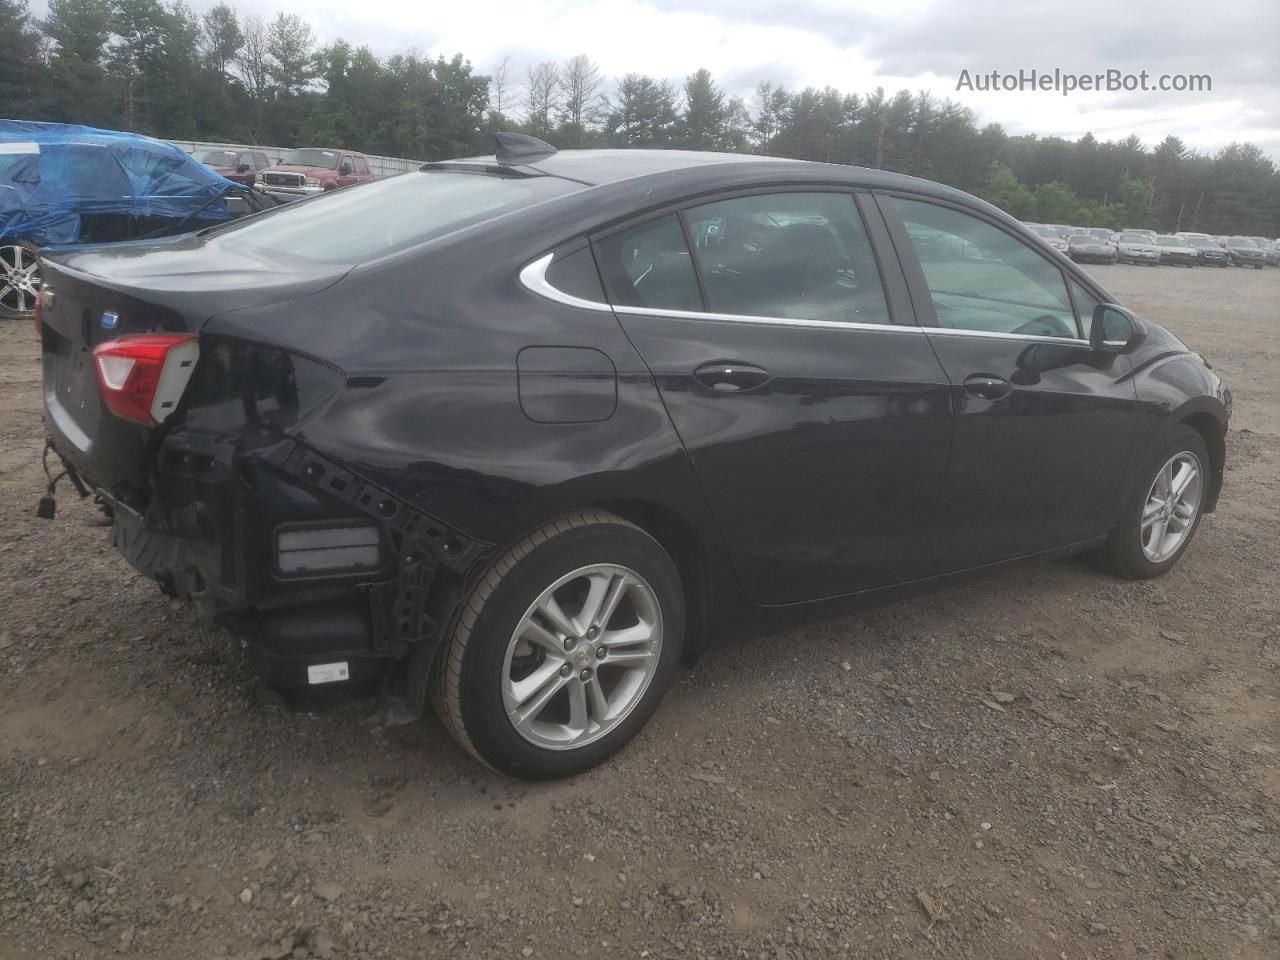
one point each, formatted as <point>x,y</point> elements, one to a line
<point>1087,248</point>
<point>520,434</point>
<point>1245,252</point>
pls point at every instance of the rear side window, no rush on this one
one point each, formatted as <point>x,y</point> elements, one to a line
<point>351,226</point>
<point>802,256</point>
<point>984,279</point>
<point>362,165</point>
<point>650,266</point>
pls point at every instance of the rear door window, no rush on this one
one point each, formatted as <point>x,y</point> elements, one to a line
<point>649,265</point>
<point>362,165</point>
<point>803,256</point>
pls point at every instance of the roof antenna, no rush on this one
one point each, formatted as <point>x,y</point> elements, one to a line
<point>520,148</point>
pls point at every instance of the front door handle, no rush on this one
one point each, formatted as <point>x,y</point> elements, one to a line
<point>731,377</point>
<point>987,387</point>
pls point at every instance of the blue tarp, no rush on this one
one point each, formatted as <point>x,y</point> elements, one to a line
<point>53,174</point>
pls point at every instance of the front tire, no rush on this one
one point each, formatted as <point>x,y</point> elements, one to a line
<point>563,650</point>
<point>1162,516</point>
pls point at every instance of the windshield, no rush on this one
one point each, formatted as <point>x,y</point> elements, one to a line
<point>1241,242</point>
<point>217,158</point>
<point>312,157</point>
<point>352,226</point>
<point>1169,241</point>
<point>1048,232</point>
<point>1201,242</point>
<point>1134,238</point>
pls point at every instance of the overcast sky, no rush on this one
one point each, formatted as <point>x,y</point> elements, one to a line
<point>857,45</point>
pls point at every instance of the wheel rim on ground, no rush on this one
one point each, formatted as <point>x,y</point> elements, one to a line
<point>1171,507</point>
<point>19,278</point>
<point>582,657</point>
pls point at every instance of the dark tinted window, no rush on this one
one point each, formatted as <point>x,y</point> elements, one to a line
<point>577,276</point>
<point>982,278</point>
<point>350,226</point>
<point>650,266</point>
<point>802,256</point>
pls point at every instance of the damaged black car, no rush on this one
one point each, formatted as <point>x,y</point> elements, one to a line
<point>518,435</point>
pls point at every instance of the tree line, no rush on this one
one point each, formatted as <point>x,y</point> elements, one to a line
<point>156,67</point>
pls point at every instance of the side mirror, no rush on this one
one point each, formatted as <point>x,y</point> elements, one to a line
<point>1114,329</point>
<point>345,169</point>
<point>243,168</point>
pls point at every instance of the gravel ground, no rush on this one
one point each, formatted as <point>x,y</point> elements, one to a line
<point>1045,762</point>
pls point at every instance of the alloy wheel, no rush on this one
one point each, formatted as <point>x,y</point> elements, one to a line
<point>19,278</point>
<point>1171,507</point>
<point>582,657</point>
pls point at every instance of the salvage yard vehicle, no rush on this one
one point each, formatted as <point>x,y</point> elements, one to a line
<point>1208,250</point>
<point>1084,248</point>
<point>1137,247</point>
<point>311,170</point>
<point>519,434</point>
<point>66,184</point>
<point>1049,235</point>
<point>1245,253</point>
<point>1177,251</point>
<point>235,163</point>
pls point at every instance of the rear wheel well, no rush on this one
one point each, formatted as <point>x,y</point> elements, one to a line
<point>684,547</point>
<point>1215,442</point>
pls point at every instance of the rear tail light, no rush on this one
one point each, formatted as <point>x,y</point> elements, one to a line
<point>142,378</point>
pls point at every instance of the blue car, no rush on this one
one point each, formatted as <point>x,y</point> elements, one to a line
<point>63,184</point>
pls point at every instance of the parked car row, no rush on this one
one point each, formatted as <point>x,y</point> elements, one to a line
<point>1140,246</point>
<point>300,173</point>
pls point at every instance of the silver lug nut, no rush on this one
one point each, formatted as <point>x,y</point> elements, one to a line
<point>570,642</point>
<point>593,632</point>
<point>566,670</point>
<point>600,653</point>
<point>585,675</point>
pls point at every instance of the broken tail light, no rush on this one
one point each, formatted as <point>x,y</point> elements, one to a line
<point>142,378</point>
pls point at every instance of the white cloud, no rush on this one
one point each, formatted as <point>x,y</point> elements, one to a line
<point>857,45</point>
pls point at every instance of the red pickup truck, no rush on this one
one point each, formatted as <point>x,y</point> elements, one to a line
<point>309,170</point>
<point>242,166</point>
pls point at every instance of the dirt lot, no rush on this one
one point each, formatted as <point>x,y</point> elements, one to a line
<point>1042,763</point>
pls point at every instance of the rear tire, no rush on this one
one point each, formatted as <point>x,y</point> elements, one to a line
<point>1163,514</point>
<point>563,649</point>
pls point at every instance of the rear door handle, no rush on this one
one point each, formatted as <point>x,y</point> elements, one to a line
<point>987,387</point>
<point>731,377</point>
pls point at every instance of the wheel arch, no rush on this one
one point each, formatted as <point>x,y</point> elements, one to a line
<point>1212,431</point>
<point>682,543</point>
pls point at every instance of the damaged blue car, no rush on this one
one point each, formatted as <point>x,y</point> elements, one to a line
<point>62,184</point>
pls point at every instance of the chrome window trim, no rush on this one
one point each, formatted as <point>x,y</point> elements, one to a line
<point>996,335</point>
<point>533,276</point>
